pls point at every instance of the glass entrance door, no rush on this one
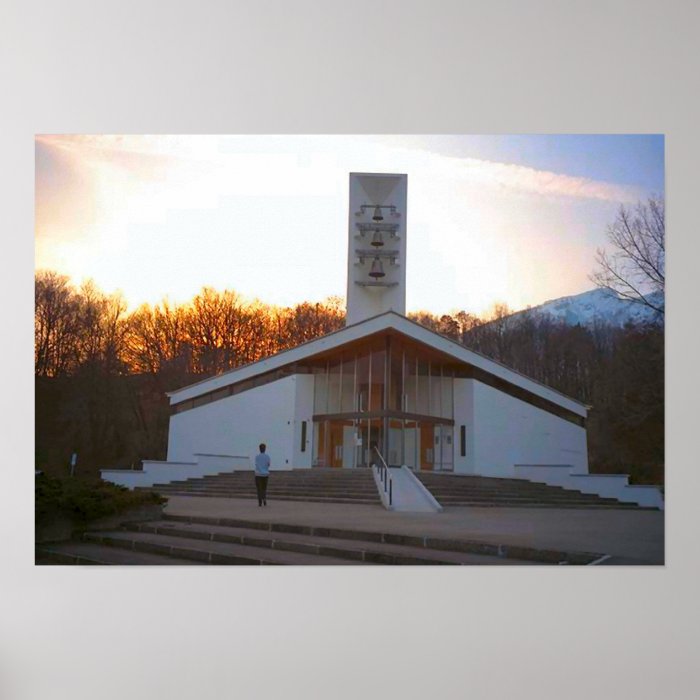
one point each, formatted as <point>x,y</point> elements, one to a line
<point>443,449</point>
<point>347,443</point>
<point>372,435</point>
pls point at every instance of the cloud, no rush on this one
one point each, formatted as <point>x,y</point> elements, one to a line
<point>153,154</point>
<point>148,157</point>
<point>541,182</point>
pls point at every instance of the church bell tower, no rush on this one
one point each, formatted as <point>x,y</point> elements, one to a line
<point>376,245</point>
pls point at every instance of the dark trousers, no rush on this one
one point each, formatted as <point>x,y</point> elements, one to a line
<point>261,486</point>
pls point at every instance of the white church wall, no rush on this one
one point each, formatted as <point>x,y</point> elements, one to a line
<point>237,424</point>
<point>463,416</point>
<point>303,411</point>
<point>508,431</point>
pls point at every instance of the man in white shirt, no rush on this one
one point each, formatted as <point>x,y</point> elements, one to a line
<point>262,472</point>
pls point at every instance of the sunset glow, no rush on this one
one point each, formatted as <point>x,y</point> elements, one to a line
<point>163,216</point>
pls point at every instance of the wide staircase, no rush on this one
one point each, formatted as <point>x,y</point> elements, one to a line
<point>356,486</point>
<point>465,490</point>
<point>207,540</point>
<point>321,485</point>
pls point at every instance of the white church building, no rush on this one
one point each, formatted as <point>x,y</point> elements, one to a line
<point>381,382</point>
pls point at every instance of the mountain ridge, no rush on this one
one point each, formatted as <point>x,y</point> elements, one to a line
<point>596,306</point>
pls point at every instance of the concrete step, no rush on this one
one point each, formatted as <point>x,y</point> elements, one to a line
<point>281,484</point>
<point>178,540</point>
<point>357,486</point>
<point>91,553</point>
<point>465,490</point>
<point>275,493</point>
<point>533,504</point>
<point>528,502</point>
<point>510,492</point>
<point>208,552</point>
<point>418,546</point>
<point>546,498</point>
<point>310,474</point>
<point>245,494</point>
<point>321,546</point>
<point>292,477</point>
<point>272,487</point>
<point>313,473</point>
<point>321,486</point>
<point>495,488</point>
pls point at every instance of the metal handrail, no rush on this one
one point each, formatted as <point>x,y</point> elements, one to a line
<point>384,475</point>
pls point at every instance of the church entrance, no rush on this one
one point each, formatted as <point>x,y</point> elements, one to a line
<point>350,442</point>
<point>386,392</point>
<point>347,443</point>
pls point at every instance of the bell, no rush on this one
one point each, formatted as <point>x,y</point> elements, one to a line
<point>377,270</point>
<point>377,214</point>
<point>377,239</point>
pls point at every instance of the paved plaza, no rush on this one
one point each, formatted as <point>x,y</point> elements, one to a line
<point>628,536</point>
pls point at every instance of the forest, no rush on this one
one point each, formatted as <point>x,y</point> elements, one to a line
<point>101,372</point>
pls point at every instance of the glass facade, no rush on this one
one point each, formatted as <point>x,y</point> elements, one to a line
<point>387,394</point>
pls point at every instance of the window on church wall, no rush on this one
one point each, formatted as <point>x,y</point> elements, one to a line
<point>423,387</point>
<point>447,393</point>
<point>435,388</point>
<point>369,379</point>
<point>395,442</point>
<point>334,386</point>
<point>320,388</point>
<point>376,391</point>
<point>347,384</point>
<point>410,382</point>
<point>319,450</point>
<point>374,432</point>
<point>396,388</point>
<point>410,444</point>
<point>362,368</point>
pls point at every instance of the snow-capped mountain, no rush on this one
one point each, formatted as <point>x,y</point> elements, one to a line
<point>598,305</point>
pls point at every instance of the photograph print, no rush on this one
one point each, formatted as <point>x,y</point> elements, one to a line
<point>349,350</point>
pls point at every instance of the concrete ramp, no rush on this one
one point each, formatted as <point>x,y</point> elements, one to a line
<point>407,493</point>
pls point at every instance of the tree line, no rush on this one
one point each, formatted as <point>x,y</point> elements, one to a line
<point>617,371</point>
<point>102,373</point>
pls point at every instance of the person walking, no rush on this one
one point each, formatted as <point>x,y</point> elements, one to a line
<point>262,472</point>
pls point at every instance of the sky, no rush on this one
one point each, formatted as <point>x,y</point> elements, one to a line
<point>512,219</point>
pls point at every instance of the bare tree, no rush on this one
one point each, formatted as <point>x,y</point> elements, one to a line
<point>56,324</point>
<point>636,266</point>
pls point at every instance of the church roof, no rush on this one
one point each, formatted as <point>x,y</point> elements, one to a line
<point>386,321</point>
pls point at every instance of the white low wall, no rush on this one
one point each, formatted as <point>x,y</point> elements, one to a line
<point>159,472</point>
<point>604,485</point>
<point>408,494</point>
<point>649,496</point>
<point>131,478</point>
<point>223,463</point>
<point>551,474</point>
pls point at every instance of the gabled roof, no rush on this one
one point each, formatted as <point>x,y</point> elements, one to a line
<point>370,326</point>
